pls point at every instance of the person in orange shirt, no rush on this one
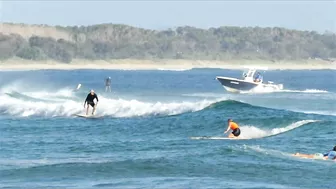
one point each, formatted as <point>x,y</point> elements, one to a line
<point>234,127</point>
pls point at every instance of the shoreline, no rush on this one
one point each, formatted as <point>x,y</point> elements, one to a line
<point>173,65</point>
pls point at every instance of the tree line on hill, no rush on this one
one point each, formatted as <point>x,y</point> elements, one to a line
<point>108,41</point>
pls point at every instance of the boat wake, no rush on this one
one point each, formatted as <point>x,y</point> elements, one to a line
<point>265,89</point>
<point>305,91</point>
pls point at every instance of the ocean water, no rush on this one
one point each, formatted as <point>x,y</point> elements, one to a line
<point>143,139</point>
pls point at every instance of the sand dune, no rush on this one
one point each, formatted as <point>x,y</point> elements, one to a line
<point>129,64</point>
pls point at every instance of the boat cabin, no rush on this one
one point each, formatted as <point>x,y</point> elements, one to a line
<point>252,76</point>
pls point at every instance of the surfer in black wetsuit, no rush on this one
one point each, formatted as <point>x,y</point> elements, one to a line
<point>89,100</point>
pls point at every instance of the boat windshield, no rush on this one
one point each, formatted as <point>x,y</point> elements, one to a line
<point>250,74</point>
<point>244,75</point>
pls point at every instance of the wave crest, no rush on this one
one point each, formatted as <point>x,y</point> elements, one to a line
<point>250,132</point>
<point>24,105</point>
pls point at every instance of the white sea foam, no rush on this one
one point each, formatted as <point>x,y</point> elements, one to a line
<point>249,132</point>
<point>106,106</point>
<point>212,95</point>
<point>272,90</point>
<point>328,113</point>
<point>305,91</point>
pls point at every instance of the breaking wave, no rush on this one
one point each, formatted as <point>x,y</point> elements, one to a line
<point>65,103</point>
<point>250,132</point>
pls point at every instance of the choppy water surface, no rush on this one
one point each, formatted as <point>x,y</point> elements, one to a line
<point>143,139</point>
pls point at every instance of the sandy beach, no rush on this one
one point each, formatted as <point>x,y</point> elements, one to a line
<point>177,65</point>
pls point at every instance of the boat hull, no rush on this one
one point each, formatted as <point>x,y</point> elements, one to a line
<point>236,85</point>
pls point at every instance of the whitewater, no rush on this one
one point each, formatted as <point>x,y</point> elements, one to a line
<point>143,139</point>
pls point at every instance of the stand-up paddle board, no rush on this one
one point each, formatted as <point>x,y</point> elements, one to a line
<point>88,116</point>
<point>78,86</point>
<point>214,138</point>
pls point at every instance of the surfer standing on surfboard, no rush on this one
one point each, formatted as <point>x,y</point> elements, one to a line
<point>89,100</point>
<point>234,127</point>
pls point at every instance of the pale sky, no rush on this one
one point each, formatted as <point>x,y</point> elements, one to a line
<point>302,15</point>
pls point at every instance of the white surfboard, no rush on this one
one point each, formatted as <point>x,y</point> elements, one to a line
<point>78,86</point>
<point>214,138</point>
<point>88,116</point>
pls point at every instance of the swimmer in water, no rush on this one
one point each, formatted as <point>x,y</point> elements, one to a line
<point>331,155</point>
<point>234,127</point>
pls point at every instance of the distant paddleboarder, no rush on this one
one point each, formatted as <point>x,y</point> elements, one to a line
<point>90,101</point>
<point>108,84</point>
<point>234,127</point>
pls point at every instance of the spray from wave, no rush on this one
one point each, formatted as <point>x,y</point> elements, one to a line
<point>65,103</point>
<point>66,92</point>
<point>262,89</point>
<point>205,95</point>
<point>123,108</point>
<point>250,132</point>
<point>328,113</point>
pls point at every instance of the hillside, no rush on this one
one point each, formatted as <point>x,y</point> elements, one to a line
<point>108,41</point>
